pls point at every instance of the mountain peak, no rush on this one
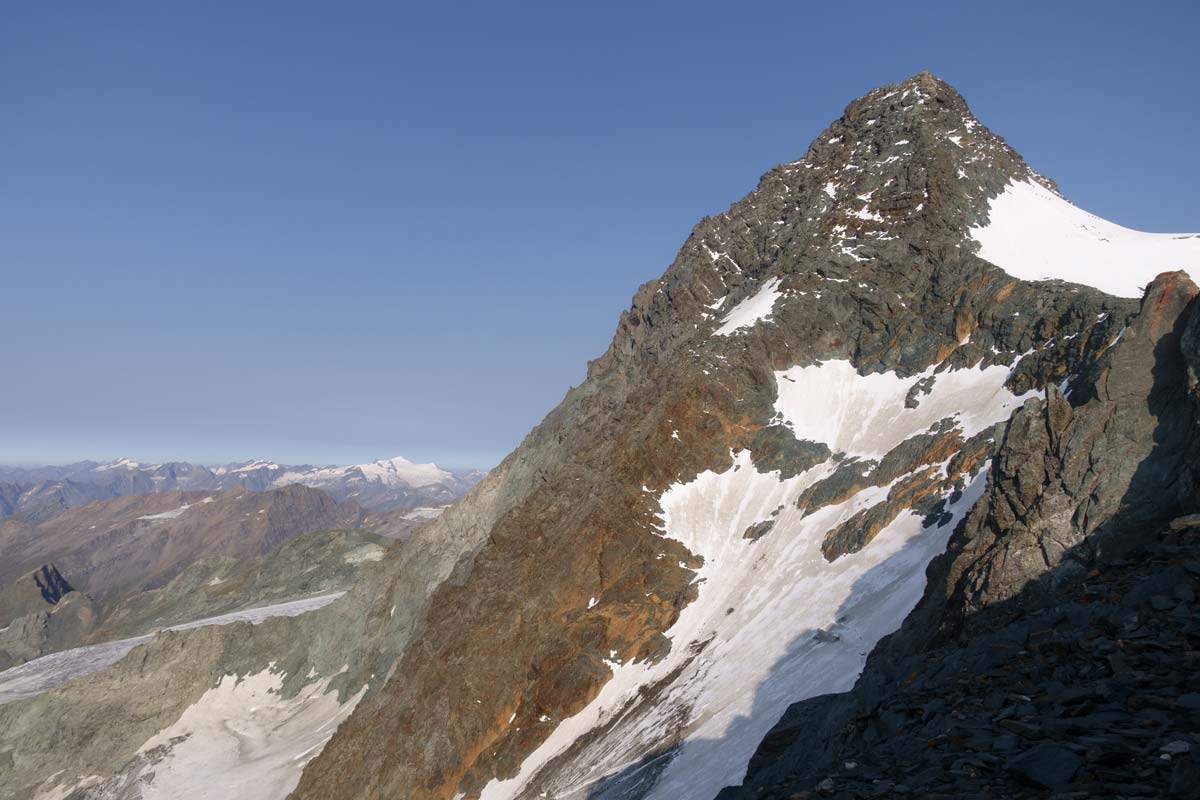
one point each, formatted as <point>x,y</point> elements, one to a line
<point>901,177</point>
<point>742,500</point>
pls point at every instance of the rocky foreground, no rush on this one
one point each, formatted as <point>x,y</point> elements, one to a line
<point>1096,697</point>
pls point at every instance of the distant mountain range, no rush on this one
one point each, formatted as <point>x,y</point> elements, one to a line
<point>120,566</point>
<point>40,492</point>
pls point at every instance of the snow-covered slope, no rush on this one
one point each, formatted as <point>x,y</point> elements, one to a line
<point>774,621</point>
<point>748,312</point>
<point>1035,234</point>
<point>866,415</point>
<point>243,738</point>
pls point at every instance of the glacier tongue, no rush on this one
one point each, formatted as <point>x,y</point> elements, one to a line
<point>50,671</point>
<point>242,738</point>
<point>1034,234</point>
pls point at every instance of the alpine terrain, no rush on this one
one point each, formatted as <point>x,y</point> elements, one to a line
<point>893,467</point>
<point>135,563</point>
<point>35,494</point>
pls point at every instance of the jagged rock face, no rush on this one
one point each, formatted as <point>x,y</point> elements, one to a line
<point>828,356</point>
<point>1065,588</point>
<point>70,621</point>
<point>1070,482</point>
<point>40,610</point>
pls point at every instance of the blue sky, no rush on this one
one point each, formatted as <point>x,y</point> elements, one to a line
<point>324,233</point>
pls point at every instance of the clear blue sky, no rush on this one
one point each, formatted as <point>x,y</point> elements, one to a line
<point>341,231</point>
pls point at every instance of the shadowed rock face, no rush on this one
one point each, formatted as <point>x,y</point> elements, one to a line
<point>864,239</point>
<point>1063,588</point>
<point>34,591</point>
<point>50,582</point>
<point>1090,473</point>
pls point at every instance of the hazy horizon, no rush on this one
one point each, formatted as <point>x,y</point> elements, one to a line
<point>284,462</point>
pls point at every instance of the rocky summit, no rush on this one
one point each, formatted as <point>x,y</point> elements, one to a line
<point>872,493</point>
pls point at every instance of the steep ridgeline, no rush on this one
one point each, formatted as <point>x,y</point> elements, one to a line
<point>731,511</point>
<point>742,498</point>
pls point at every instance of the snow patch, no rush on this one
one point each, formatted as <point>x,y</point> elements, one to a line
<point>245,740</point>
<point>256,465</point>
<point>368,552</point>
<point>1034,234</point>
<point>173,514</point>
<point>388,472</point>
<point>865,416</point>
<point>120,463</point>
<point>754,308</point>
<point>425,512</point>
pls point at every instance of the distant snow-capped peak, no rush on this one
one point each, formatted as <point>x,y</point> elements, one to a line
<point>120,463</point>
<point>396,471</point>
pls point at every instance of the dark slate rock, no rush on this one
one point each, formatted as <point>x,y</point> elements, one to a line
<point>1048,766</point>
